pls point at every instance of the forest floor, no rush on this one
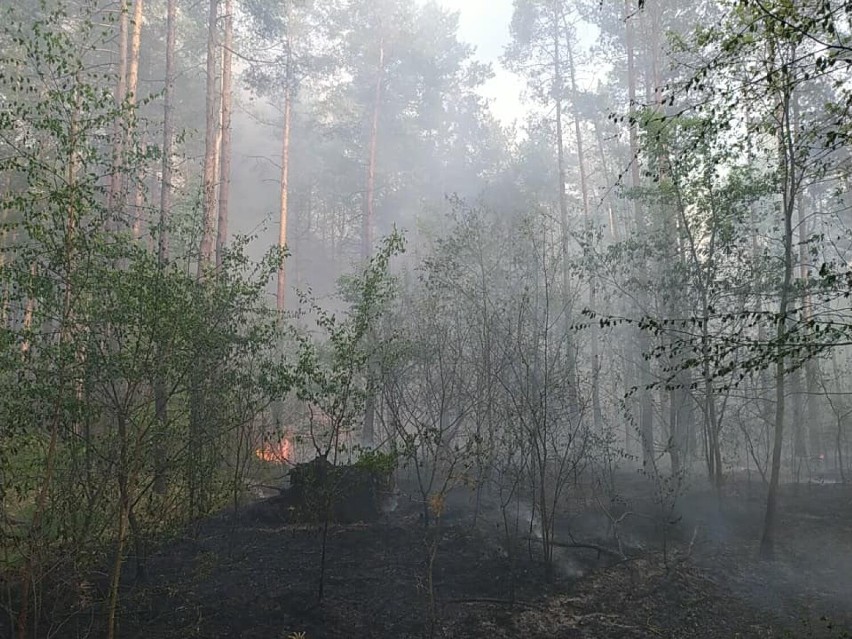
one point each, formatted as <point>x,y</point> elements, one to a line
<point>254,578</point>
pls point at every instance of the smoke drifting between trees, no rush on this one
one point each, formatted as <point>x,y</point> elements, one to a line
<point>242,234</point>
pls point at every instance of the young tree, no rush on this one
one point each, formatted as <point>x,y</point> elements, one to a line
<point>539,38</point>
<point>329,376</point>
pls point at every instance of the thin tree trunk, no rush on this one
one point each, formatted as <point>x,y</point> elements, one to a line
<point>369,200</point>
<point>367,435</point>
<point>709,406</point>
<point>614,231</point>
<point>7,244</point>
<point>762,376</point>
<point>29,312</point>
<point>225,148</point>
<point>801,401</point>
<point>168,136</point>
<point>767,544</point>
<point>812,374</point>
<point>197,406</point>
<point>131,83</point>
<point>563,206</point>
<point>138,208</point>
<point>217,156</point>
<point>116,184</point>
<point>123,517</point>
<point>209,211</point>
<point>674,433</point>
<point>787,152</point>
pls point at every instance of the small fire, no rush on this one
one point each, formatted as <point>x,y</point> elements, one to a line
<point>281,452</point>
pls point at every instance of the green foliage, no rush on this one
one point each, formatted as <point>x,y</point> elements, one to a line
<point>133,393</point>
<point>330,373</point>
<point>378,462</point>
<point>128,385</point>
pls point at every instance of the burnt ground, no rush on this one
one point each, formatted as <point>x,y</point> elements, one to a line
<point>256,578</point>
<point>809,584</point>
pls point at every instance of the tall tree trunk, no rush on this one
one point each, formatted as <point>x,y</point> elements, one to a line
<point>160,393</point>
<point>138,206</point>
<point>209,211</point>
<point>168,136</point>
<point>558,90</point>
<point>597,413</point>
<point>197,404</point>
<point>799,448</point>
<point>674,432</point>
<point>132,99</point>
<point>369,199</point>
<point>646,416</point>
<point>368,436</point>
<point>281,295</point>
<point>711,439</point>
<point>801,401</point>
<point>813,426</point>
<point>225,148</point>
<point>368,433</point>
<point>116,184</point>
<point>6,244</point>
<point>763,376</point>
<point>614,230</point>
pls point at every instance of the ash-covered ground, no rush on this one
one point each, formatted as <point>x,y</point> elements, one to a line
<point>255,577</point>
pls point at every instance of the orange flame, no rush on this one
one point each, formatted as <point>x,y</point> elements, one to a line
<point>281,452</point>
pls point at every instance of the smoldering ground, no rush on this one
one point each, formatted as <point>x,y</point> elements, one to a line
<point>250,578</point>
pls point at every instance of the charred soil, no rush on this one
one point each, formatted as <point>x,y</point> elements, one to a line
<point>249,577</point>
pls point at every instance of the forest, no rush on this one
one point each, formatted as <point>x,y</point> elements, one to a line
<point>302,337</point>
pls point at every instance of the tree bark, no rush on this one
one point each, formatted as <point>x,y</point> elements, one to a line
<point>789,182</point>
<point>168,136</point>
<point>116,182</point>
<point>563,207</point>
<point>281,295</point>
<point>133,55</point>
<point>160,393</point>
<point>368,433</point>
<point>810,407</point>
<point>614,231</point>
<point>225,145</point>
<point>597,413</point>
<point>369,199</point>
<point>132,99</point>
<point>196,489</point>
<point>209,212</point>
<point>646,416</point>
<point>124,500</point>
